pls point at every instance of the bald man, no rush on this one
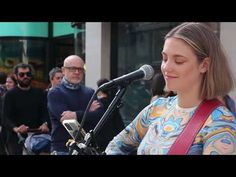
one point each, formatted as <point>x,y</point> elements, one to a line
<point>68,101</point>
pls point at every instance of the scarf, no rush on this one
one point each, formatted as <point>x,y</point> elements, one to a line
<point>69,85</point>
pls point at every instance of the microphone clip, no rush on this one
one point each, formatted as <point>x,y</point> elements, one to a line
<point>81,148</point>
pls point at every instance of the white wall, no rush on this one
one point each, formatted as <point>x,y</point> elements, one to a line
<point>228,39</point>
<point>97,48</point>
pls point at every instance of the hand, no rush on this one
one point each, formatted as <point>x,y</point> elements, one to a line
<point>44,128</point>
<point>95,105</point>
<point>68,115</point>
<point>21,129</point>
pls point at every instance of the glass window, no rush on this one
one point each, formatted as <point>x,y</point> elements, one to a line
<point>138,43</point>
<point>62,47</point>
<point>32,51</point>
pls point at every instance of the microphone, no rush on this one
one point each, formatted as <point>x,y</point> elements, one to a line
<point>145,72</point>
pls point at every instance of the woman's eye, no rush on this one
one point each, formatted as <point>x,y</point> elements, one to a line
<point>179,62</point>
<point>164,59</point>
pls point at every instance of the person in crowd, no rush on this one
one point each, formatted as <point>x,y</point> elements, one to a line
<point>69,101</point>
<point>194,66</point>
<point>23,109</point>
<point>3,90</point>
<point>3,77</point>
<point>55,77</point>
<point>114,124</point>
<point>10,82</point>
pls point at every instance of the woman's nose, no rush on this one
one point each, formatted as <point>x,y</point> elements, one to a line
<point>167,66</point>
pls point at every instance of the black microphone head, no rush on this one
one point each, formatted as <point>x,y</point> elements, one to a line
<point>148,71</point>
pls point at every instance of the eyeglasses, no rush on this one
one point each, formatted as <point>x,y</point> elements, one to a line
<point>28,74</point>
<point>74,69</point>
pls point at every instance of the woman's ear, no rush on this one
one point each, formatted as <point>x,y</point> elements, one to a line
<point>204,65</point>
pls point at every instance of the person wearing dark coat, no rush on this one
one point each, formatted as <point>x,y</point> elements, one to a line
<point>114,124</point>
<point>24,108</point>
<point>68,101</point>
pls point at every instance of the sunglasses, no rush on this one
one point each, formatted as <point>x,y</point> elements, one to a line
<point>28,74</point>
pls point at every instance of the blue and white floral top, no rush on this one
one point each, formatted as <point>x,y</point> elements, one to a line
<point>157,126</point>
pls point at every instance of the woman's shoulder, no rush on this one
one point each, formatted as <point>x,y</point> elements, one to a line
<point>220,126</point>
<point>223,114</point>
<point>221,119</point>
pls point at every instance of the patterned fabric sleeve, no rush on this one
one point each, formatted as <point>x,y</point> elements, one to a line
<point>128,140</point>
<point>220,133</point>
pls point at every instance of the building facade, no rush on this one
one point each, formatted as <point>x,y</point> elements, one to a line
<point>42,44</point>
<point>110,49</point>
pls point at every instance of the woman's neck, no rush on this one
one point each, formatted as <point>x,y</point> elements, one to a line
<point>188,100</point>
<point>190,97</point>
<point>188,103</point>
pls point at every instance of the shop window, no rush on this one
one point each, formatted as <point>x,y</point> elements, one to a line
<point>138,43</point>
<point>31,51</point>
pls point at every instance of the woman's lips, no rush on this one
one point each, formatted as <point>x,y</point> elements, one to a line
<point>170,77</point>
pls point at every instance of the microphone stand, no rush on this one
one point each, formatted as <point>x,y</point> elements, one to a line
<point>86,147</point>
<point>116,102</point>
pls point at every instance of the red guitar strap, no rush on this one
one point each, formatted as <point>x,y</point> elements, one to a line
<point>185,139</point>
